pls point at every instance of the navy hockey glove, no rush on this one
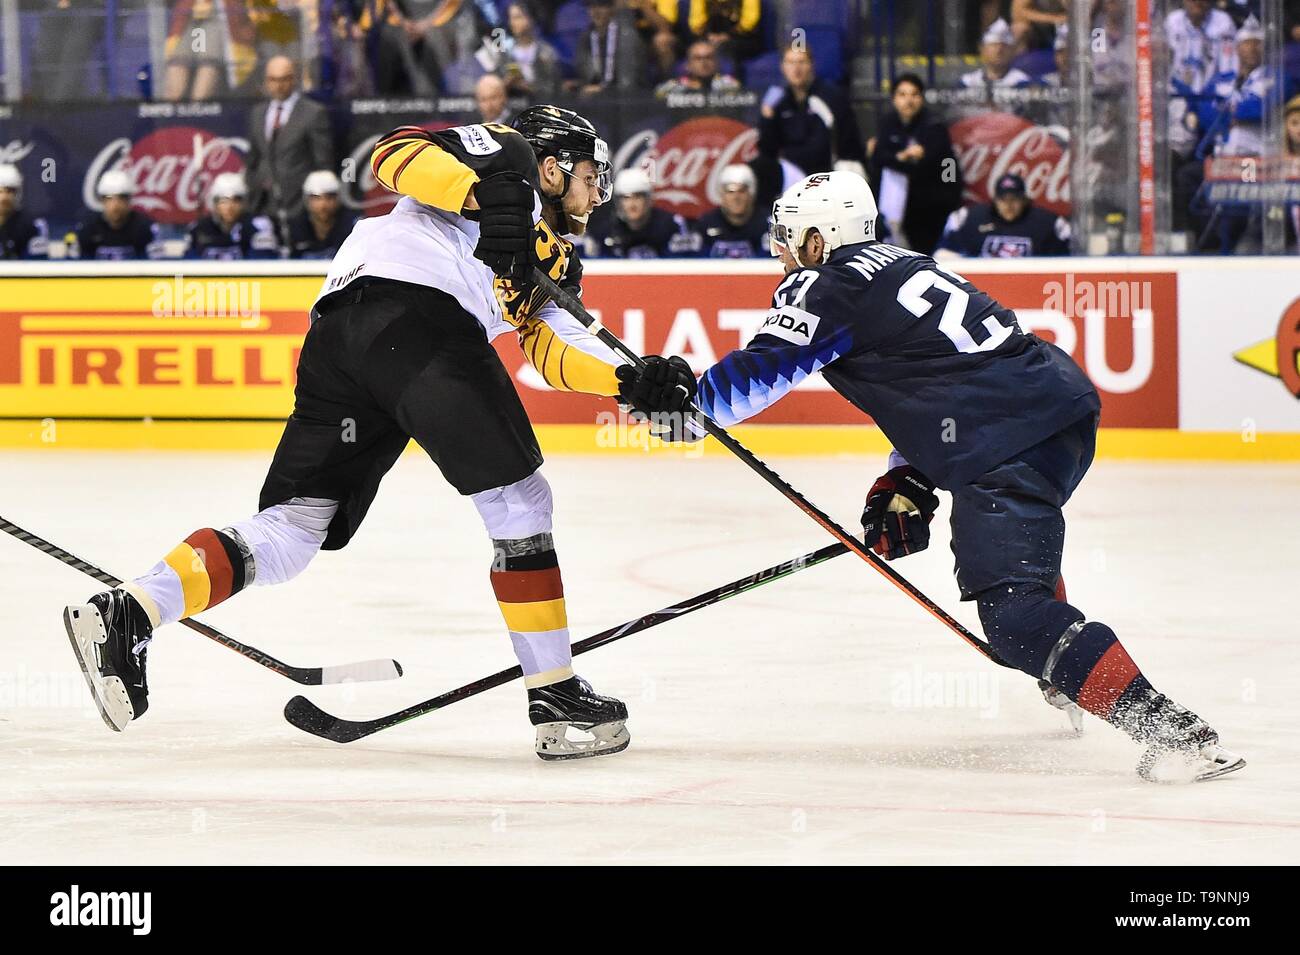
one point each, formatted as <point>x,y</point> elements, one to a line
<point>900,506</point>
<point>661,385</point>
<point>505,238</point>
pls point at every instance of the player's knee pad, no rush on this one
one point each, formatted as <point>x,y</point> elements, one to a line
<point>1024,622</point>
<point>516,511</point>
<point>283,539</point>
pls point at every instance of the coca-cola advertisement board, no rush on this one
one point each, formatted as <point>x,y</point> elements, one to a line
<point>991,145</point>
<point>172,151</point>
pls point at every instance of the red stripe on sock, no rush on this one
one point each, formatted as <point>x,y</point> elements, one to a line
<point>526,586</point>
<point>1109,678</point>
<point>1059,594</point>
<point>221,576</point>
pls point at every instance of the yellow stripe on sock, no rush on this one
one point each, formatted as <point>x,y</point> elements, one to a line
<point>546,678</point>
<point>189,568</point>
<point>535,615</point>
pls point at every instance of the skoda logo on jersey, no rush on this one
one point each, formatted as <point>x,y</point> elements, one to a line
<point>793,324</point>
<point>476,140</point>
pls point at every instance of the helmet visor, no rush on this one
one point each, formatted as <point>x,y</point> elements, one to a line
<point>781,237</point>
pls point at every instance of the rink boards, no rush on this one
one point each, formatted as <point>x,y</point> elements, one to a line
<point>1194,358</point>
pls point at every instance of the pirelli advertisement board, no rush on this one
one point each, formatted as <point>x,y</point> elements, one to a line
<point>1172,346</point>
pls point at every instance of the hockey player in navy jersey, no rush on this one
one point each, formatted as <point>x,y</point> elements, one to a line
<point>1001,419</point>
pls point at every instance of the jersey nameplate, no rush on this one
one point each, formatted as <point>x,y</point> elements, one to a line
<point>477,140</point>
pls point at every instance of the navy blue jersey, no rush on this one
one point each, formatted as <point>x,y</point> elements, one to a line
<point>22,237</point>
<point>304,243</point>
<point>96,239</point>
<point>943,369</point>
<point>663,235</point>
<point>723,240</point>
<point>252,237</point>
<point>979,232</point>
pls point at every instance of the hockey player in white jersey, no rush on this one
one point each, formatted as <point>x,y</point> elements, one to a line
<point>399,348</point>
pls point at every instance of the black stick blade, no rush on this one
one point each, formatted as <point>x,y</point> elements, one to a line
<point>310,718</point>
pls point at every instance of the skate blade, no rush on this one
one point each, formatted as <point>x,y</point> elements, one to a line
<point>1171,767</point>
<point>1075,713</point>
<point>554,743</point>
<point>86,633</point>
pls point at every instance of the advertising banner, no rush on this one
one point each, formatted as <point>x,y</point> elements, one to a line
<point>225,346</point>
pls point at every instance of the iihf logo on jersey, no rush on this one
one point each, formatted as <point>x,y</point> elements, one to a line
<point>128,909</point>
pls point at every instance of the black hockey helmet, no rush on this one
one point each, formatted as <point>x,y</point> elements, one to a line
<point>562,133</point>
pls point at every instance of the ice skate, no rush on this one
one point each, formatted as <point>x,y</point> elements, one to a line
<point>573,721</point>
<point>110,636</point>
<point>1181,747</point>
<point>1063,703</point>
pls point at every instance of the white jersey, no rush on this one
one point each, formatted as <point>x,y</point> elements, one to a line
<point>1199,53</point>
<point>425,246</point>
<point>1014,79</point>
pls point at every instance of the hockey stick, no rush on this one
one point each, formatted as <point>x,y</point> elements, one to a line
<point>309,676</point>
<point>307,716</point>
<point>570,303</point>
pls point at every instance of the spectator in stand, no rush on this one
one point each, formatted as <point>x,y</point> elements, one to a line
<point>610,56</point>
<point>1200,43</point>
<point>1292,125</point>
<point>701,75</point>
<point>1232,104</point>
<point>529,66</point>
<point>1034,22</point>
<point>656,22</point>
<point>807,122</point>
<point>436,35</point>
<point>1010,227</point>
<point>1059,78</point>
<point>738,228</point>
<point>995,71</point>
<point>118,232</point>
<point>913,168</point>
<point>640,230</point>
<point>288,137</point>
<point>21,236</point>
<point>491,100</point>
<point>70,30</point>
<point>277,27</point>
<point>210,47</point>
<point>319,230</point>
<point>228,231</point>
<point>1113,50</point>
<point>730,25</point>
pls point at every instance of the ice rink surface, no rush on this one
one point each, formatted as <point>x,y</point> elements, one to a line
<point>820,719</point>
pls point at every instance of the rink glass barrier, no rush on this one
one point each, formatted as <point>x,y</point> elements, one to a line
<point>1136,135</point>
<point>1193,358</point>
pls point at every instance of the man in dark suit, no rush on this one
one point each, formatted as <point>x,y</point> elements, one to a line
<point>288,137</point>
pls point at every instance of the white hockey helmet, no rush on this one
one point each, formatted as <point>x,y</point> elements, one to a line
<point>738,174</point>
<point>11,178</point>
<point>114,183</point>
<point>839,205</point>
<point>228,185</point>
<point>322,182</point>
<point>632,181</point>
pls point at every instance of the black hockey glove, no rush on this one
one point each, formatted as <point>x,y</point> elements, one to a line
<point>505,239</point>
<point>900,506</point>
<point>661,385</point>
